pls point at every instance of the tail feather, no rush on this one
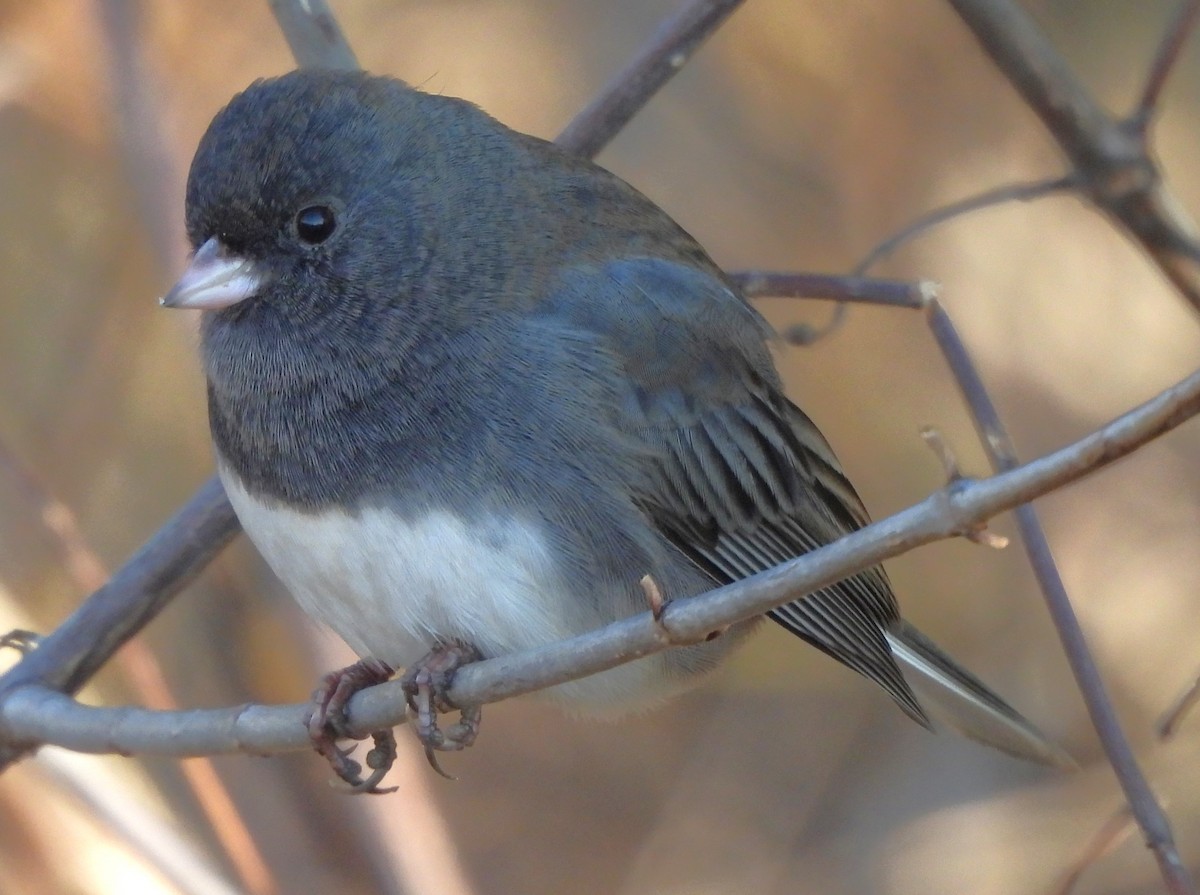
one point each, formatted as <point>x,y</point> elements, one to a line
<point>954,696</point>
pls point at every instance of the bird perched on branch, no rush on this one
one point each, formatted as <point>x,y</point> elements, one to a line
<point>471,394</point>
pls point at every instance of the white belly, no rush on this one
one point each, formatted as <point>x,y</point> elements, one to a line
<point>392,587</point>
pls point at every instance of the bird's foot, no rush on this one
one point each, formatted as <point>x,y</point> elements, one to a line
<point>426,684</point>
<point>327,724</point>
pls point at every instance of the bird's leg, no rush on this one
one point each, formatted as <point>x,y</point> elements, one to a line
<point>426,683</point>
<point>327,725</point>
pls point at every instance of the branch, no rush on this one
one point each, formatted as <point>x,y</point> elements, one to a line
<point>34,714</point>
<point>866,290</point>
<point>656,63</point>
<point>313,34</point>
<point>145,154</point>
<point>1174,37</point>
<point>997,443</point>
<point>1114,831</point>
<point>1110,157</point>
<point>1168,725</point>
<point>1014,192</point>
<point>142,671</point>
<point>72,653</point>
<point>206,523</point>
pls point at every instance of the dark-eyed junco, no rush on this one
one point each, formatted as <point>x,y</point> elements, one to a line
<point>470,393</point>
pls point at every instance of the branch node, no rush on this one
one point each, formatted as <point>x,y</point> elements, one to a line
<point>978,533</point>
<point>658,604</point>
<point>933,438</point>
<point>987,538</point>
<point>930,291</point>
<point>24,642</point>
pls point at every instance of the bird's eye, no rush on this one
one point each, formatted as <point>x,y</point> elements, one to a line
<point>315,224</point>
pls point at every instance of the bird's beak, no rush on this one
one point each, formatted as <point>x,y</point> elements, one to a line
<point>214,279</point>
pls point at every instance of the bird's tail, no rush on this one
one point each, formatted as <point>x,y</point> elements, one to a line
<point>957,698</point>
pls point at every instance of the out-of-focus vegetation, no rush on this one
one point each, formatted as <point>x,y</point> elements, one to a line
<point>804,133</point>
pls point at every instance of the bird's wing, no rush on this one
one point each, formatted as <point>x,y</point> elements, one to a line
<point>740,480</point>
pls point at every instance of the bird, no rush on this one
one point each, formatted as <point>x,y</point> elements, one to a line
<point>470,394</point>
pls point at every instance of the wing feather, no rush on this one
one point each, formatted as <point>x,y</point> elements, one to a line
<point>740,480</point>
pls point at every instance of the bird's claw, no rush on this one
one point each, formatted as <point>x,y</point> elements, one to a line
<point>327,724</point>
<point>426,684</point>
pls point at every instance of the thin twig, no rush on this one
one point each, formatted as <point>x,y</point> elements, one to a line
<point>1023,53</point>
<point>145,674</point>
<point>1013,192</point>
<point>164,565</point>
<point>1112,160</point>
<point>912,295</point>
<point>1002,454</point>
<point>1111,834</point>
<point>149,164</point>
<point>1178,30</point>
<point>866,290</point>
<point>656,63</point>
<point>1110,157</point>
<point>845,290</point>
<point>216,510</point>
<point>34,714</point>
<point>1168,724</point>
<point>313,34</point>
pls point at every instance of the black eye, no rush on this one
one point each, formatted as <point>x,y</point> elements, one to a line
<point>315,224</point>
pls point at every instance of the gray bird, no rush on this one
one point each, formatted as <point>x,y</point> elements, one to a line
<point>467,391</point>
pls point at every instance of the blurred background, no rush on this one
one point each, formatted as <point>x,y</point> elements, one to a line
<point>805,132</point>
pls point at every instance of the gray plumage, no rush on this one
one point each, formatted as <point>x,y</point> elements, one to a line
<point>505,348</point>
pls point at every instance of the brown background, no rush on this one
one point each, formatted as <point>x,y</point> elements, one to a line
<point>804,133</point>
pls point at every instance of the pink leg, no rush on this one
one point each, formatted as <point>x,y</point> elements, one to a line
<point>426,683</point>
<point>327,724</point>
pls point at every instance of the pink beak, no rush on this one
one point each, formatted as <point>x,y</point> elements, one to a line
<point>214,279</point>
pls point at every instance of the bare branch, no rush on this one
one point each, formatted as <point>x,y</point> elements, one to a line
<point>1174,37</point>
<point>655,64</point>
<point>1109,157</point>
<point>314,35</point>
<point>144,672</point>
<point>866,290</point>
<point>1168,724</point>
<point>1110,161</point>
<point>1049,87</point>
<point>1000,450</point>
<point>164,565</point>
<point>148,161</point>
<point>34,714</point>
<point>1014,192</point>
<point>1111,834</point>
